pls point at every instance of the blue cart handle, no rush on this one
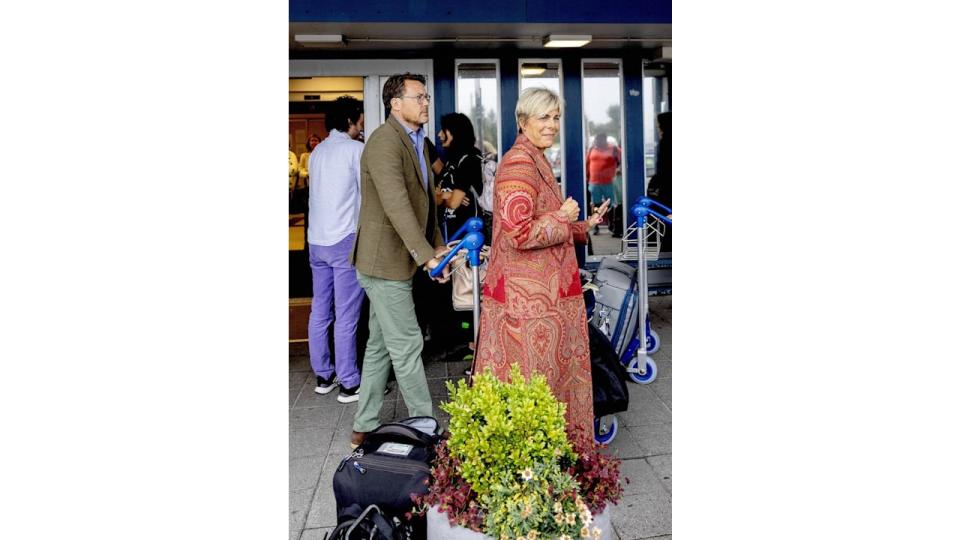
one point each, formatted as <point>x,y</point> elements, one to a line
<point>642,208</point>
<point>472,242</point>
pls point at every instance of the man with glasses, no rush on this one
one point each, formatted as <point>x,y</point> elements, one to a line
<point>397,232</point>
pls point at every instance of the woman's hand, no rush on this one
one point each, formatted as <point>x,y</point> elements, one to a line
<point>571,208</point>
<point>597,217</point>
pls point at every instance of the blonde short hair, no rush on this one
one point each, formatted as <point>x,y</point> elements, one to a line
<point>536,101</point>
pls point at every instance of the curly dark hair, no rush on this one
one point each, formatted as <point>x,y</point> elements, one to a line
<point>394,87</point>
<point>345,110</point>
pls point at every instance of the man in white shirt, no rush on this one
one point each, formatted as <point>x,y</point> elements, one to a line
<point>334,169</point>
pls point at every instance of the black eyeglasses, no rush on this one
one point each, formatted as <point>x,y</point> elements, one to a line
<point>420,98</point>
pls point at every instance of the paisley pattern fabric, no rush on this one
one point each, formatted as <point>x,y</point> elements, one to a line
<point>532,310</point>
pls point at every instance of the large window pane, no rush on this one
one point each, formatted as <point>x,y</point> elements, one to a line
<point>603,143</point>
<point>546,74</point>
<point>478,97</point>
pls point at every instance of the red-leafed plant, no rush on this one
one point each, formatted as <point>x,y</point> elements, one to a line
<point>598,474</point>
<point>451,493</point>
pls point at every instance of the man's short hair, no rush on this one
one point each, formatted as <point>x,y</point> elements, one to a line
<point>345,110</point>
<point>394,87</point>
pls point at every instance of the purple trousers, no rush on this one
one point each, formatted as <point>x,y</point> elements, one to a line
<point>334,284</point>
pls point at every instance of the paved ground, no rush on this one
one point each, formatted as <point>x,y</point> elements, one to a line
<point>320,432</point>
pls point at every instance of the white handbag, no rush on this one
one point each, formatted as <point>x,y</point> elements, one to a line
<point>461,274</point>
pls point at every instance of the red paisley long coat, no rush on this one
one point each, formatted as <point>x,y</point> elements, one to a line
<point>532,310</point>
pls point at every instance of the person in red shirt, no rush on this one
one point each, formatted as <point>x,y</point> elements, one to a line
<point>603,160</point>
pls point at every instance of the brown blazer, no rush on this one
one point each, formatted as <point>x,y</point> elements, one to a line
<point>397,229</point>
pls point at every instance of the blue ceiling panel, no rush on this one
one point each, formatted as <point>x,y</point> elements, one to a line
<point>487,11</point>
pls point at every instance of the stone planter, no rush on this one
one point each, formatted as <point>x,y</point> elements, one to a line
<point>438,527</point>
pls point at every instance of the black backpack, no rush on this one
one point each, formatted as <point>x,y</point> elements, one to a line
<point>369,524</point>
<point>610,394</point>
<point>391,465</point>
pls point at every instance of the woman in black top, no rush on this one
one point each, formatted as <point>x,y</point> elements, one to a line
<point>461,171</point>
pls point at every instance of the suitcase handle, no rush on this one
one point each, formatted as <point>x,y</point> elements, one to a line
<point>400,432</point>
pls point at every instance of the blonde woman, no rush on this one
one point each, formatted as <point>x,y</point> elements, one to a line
<point>532,308</point>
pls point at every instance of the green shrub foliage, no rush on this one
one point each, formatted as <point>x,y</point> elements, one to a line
<point>498,428</point>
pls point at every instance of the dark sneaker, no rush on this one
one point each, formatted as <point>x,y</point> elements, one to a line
<point>349,395</point>
<point>325,386</point>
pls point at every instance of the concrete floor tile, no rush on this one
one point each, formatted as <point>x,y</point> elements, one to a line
<point>455,369</point>
<point>624,445</point>
<point>434,369</point>
<point>340,444</point>
<point>644,515</point>
<point>299,505</point>
<point>645,408</point>
<point>305,471</point>
<point>644,480</point>
<point>642,477</point>
<point>294,395</point>
<point>298,378</point>
<point>326,417</point>
<point>653,440</point>
<point>388,411</point>
<point>315,534</point>
<point>394,392</point>
<point>309,398</point>
<point>663,467</point>
<point>664,364</point>
<point>663,388</point>
<point>323,511</point>
<point>438,389</point>
<point>346,417</point>
<point>310,442</point>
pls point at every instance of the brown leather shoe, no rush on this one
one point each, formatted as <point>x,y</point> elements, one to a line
<point>356,439</point>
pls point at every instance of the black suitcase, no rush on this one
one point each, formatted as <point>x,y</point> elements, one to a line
<point>391,465</point>
<point>610,394</point>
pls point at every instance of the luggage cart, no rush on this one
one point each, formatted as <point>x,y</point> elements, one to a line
<point>647,230</point>
<point>473,243</point>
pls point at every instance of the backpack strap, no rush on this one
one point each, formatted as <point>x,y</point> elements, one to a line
<point>345,530</point>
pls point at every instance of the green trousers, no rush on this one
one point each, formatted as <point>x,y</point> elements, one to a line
<point>394,339</point>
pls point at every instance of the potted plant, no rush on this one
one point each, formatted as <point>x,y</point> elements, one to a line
<point>509,470</point>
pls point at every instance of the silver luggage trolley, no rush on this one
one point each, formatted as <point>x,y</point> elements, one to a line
<point>649,227</point>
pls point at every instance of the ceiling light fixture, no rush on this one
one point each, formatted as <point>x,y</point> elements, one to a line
<point>558,40</point>
<point>532,70</point>
<point>319,39</point>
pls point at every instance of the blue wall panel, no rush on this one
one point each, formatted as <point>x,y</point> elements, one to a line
<point>488,11</point>
<point>509,94</point>
<point>573,138</point>
<point>444,100</point>
<point>607,11</point>
<point>633,127</point>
